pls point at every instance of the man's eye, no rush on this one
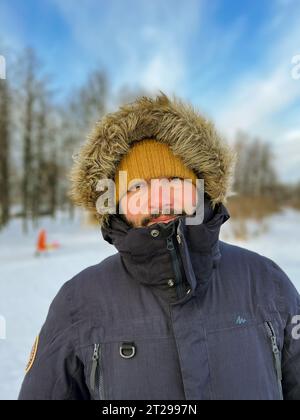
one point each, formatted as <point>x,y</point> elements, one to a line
<point>137,186</point>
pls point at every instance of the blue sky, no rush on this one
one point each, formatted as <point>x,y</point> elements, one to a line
<point>230,58</point>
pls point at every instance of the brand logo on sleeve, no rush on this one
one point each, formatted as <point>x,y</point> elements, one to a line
<point>240,321</point>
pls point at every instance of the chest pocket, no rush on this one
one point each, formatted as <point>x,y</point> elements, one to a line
<point>245,359</point>
<point>141,366</point>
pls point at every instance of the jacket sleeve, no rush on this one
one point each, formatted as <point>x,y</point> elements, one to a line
<point>54,372</point>
<point>290,310</point>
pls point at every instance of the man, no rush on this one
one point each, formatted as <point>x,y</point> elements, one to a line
<point>175,313</point>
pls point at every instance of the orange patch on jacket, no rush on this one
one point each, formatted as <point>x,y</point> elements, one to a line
<point>32,355</point>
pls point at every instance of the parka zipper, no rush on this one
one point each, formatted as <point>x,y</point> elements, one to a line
<point>96,377</point>
<point>276,354</point>
<point>177,265</point>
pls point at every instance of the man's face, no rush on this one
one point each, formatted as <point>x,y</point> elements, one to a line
<point>158,201</point>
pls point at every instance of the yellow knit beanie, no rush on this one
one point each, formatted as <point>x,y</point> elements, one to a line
<point>150,159</point>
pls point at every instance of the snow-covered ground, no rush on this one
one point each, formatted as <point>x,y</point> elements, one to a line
<point>28,283</point>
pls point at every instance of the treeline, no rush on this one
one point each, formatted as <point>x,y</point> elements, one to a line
<point>257,176</point>
<point>39,134</point>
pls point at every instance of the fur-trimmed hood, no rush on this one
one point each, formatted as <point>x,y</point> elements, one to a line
<point>189,135</point>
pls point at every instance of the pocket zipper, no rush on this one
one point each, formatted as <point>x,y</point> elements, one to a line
<point>96,377</point>
<point>277,355</point>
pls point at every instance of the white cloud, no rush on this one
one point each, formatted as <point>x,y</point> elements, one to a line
<point>259,102</point>
<point>139,41</point>
<point>165,69</point>
<point>293,135</point>
<point>254,101</point>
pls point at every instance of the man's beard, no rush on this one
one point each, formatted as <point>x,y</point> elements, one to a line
<point>146,220</point>
<point>150,218</point>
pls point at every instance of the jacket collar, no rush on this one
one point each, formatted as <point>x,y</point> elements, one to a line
<point>147,258</point>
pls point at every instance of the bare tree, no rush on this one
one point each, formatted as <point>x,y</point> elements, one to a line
<point>44,147</point>
<point>4,152</point>
<point>89,102</point>
<point>255,173</point>
<point>86,106</point>
<point>29,92</point>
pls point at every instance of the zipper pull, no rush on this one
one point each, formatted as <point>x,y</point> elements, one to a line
<point>275,350</point>
<point>94,367</point>
<point>277,357</point>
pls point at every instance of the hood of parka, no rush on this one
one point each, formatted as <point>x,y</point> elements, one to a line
<point>190,136</point>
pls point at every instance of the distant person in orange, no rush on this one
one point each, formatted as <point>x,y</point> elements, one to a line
<point>41,246</point>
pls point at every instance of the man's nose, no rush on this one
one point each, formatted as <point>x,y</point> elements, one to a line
<point>161,198</point>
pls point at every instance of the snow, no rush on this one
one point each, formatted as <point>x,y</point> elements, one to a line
<point>28,284</point>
